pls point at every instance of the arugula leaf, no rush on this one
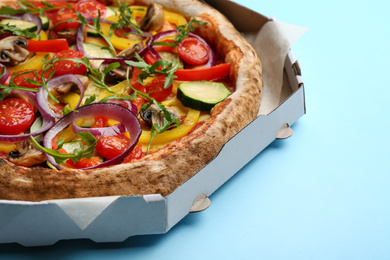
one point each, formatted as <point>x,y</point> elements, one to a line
<point>60,158</point>
<point>90,100</point>
<point>168,121</point>
<point>168,69</point>
<point>104,100</point>
<point>184,31</point>
<point>17,31</point>
<point>96,27</point>
<point>125,20</point>
<point>67,110</point>
<point>26,7</point>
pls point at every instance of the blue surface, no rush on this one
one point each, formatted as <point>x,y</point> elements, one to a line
<point>321,194</point>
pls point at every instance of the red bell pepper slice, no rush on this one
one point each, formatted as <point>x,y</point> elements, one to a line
<point>215,72</point>
<point>55,45</point>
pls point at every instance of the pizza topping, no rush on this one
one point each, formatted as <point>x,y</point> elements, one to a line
<point>4,73</point>
<point>91,8</point>
<point>67,86</point>
<point>67,66</point>
<point>16,116</point>
<point>26,154</point>
<point>193,51</point>
<point>153,115</point>
<point>54,45</point>
<point>13,50</point>
<point>25,17</point>
<point>202,95</point>
<point>154,18</point>
<point>42,95</point>
<point>110,110</point>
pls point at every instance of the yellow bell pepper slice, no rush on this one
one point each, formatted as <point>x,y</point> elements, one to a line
<point>123,88</point>
<point>175,18</point>
<point>34,63</point>
<point>140,11</point>
<point>171,135</point>
<point>71,98</point>
<point>42,35</point>
<point>118,42</point>
<point>7,146</point>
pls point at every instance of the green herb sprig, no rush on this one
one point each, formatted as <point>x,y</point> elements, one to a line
<point>26,7</point>
<point>86,150</point>
<point>17,31</point>
<point>184,31</point>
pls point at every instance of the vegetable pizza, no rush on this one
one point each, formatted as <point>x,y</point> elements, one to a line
<point>115,97</point>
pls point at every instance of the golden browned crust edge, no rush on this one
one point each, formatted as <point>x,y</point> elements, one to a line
<point>161,172</point>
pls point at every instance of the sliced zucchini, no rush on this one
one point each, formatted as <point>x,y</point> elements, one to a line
<point>91,32</point>
<point>45,22</point>
<point>26,25</point>
<point>88,122</point>
<point>96,50</point>
<point>172,57</point>
<point>110,12</point>
<point>202,95</point>
<point>71,146</point>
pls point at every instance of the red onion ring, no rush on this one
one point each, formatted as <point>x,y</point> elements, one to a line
<point>110,110</point>
<point>26,17</point>
<point>42,95</point>
<point>6,74</point>
<point>48,121</point>
<point>5,35</point>
<point>99,131</point>
<point>108,131</point>
<point>125,102</point>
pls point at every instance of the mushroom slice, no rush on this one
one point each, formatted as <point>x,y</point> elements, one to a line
<point>26,154</point>
<point>120,73</point>
<point>153,19</point>
<point>69,35</point>
<point>66,87</point>
<point>153,115</point>
<point>13,50</point>
<point>129,52</point>
<point>115,75</point>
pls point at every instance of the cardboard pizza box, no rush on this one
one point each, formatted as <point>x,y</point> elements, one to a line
<point>115,218</point>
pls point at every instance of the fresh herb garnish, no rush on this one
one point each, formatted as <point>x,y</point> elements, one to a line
<point>125,20</point>
<point>184,31</point>
<point>86,150</point>
<point>26,7</point>
<point>169,121</point>
<point>161,67</point>
<point>17,31</point>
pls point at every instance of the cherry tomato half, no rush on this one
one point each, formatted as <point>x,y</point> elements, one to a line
<point>90,8</point>
<point>193,51</point>
<point>135,155</point>
<point>64,15</point>
<point>156,89</point>
<point>85,163</point>
<point>69,67</point>
<point>110,147</point>
<point>16,116</point>
<point>34,75</point>
<point>100,121</point>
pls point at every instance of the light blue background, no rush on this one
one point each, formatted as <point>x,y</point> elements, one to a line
<point>321,194</point>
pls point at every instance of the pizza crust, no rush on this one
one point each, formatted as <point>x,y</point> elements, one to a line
<point>165,170</point>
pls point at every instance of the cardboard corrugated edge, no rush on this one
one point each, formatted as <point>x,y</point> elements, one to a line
<point>44,223</point>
